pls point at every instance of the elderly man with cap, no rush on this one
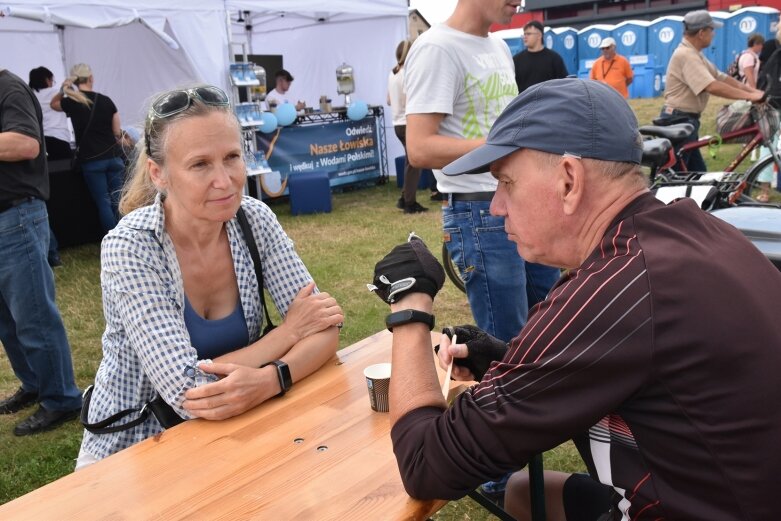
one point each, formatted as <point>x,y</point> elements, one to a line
<point>654,353</point>
<point>612,68</point>
<point>691,79</point>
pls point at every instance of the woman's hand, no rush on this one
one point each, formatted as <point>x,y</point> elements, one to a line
<point>240,389</point>
<point>311,313</point>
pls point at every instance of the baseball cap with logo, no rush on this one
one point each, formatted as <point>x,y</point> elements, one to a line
<point>607,42</point>
<point>569,116</point>
<point>696,20</point>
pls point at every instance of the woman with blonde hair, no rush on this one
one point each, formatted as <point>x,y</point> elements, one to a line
<point>397,99</point>
<point>183,275</point>
<point>98,136</point>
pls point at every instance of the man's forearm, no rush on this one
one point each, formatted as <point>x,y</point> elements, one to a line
<point>439,151</point>
<point>18,147</point>
<point>414,380</point>
<point>727,90</point>
<point>426,148</point>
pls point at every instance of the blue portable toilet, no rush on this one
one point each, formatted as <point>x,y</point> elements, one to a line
<point>513,38</point>
<point>564,40</point>
<point>744,22</point>
<point>631,37</point>
<point>664,35</point>
<point>717,52</point>
<point>589,39</point>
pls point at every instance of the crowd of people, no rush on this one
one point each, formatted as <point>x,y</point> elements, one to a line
<point>627,352</point>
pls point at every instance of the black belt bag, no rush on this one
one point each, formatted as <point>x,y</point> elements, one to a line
<point>157,406</point>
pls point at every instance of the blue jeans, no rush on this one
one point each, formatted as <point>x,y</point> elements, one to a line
<point>104,179</point>
<point>500,285</point>
<point>31,329</point>
<point>693,158</point>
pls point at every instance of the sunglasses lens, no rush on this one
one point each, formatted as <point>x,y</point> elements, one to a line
<point>212,95</point>
<point>170,103</point>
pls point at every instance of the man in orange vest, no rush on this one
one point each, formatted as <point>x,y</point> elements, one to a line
<point>612,68</point>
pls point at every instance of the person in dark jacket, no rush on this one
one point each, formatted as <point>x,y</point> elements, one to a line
<point>667,385</point>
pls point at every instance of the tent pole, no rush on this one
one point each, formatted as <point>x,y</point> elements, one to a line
<point>61,34</point>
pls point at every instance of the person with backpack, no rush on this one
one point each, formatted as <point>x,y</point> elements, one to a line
<point>748,60</point>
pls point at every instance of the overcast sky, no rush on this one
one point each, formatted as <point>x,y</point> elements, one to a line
<point>434,11</point>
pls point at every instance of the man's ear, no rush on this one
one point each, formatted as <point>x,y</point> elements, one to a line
<point>570,183</point>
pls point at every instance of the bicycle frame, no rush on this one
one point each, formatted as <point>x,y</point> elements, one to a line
<point>677,163</point>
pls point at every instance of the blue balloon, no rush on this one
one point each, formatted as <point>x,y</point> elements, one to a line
<point>286,114</point>
<point>268,122</point>
<point>357,110</point>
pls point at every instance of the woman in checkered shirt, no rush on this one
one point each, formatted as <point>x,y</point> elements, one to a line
<point>180,295</point>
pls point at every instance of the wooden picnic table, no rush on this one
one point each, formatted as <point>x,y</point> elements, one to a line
<point>319,452</point>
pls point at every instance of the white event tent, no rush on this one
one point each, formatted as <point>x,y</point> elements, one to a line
<point>133,51</point>
<point>138,48</point>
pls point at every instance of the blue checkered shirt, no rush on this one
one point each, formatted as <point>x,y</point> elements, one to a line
<point>146,346</point>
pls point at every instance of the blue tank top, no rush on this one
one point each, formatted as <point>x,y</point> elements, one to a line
<point>213,338</point>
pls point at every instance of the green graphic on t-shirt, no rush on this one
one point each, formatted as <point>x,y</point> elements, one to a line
<point>486,101</point>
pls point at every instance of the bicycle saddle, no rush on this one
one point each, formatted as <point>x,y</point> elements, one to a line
<point>656,152</point>
<point>674,133</point>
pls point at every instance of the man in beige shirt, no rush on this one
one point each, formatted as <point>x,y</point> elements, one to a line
<point>691,79</point>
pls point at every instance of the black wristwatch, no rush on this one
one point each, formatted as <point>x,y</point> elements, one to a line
<point>283,372</point>
<point>408,316</point>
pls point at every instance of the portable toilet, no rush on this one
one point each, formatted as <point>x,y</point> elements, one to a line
<point>717,52</point>
<point>744,22</point>
<point>589,39</point>
<point>664,35</point>
<point>564,40</point>
<point>631,37</point>
<point>513,38</point>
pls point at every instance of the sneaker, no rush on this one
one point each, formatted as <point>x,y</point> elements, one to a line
<point>415,208</point>
<point>17,401</point>
<point>44,420</point>
<point>400,203</point>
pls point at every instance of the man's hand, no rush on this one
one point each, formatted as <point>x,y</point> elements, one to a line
<point>473,353</point>
<point>408,268</point>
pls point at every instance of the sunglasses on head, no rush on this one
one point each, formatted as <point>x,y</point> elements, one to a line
<point>176,101</point>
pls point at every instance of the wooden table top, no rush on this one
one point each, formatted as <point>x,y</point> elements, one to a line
<point>319,452</point>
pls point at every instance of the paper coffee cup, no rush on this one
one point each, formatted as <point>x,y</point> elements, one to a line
<point>378,382</point>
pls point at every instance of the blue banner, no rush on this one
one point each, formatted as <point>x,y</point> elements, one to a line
<point>349,151</point>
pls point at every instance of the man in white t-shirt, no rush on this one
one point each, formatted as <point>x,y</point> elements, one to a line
<point>458,81</point>
<point>281,92</point>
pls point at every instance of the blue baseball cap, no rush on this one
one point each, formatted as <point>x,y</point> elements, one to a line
<point>581,117</point>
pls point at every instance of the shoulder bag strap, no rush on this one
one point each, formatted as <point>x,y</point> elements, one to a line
<point>102,427</point>
<point>249,238</point>
<point>86,129</point>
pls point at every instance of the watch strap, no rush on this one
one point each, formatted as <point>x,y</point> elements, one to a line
<point>283,373</point>
<point>408,316</point>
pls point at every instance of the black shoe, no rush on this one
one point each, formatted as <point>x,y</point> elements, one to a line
<point>44,420</point>
<point>400,203</point>
<point>415,208</point>
<point>54,261</point>
<point>438,196</point>
<point>18,401</point>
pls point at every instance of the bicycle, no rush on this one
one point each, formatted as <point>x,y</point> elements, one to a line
<point>761,132</point>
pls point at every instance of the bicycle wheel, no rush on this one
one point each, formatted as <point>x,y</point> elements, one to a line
<point>452,270</point>
<point>762,169</point>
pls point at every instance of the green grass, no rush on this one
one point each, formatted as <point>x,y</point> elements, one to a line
<point>340,250</point>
